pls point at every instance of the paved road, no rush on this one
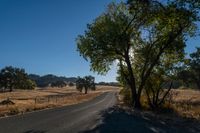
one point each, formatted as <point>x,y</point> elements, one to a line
<point>68,119</point>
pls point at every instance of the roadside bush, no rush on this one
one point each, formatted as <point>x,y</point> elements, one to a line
<point>157,91</point>
<point>7,102</point>
<point>126,93</point>
<point>14,111</point>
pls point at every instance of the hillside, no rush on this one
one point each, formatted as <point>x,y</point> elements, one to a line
<point>46,80</point>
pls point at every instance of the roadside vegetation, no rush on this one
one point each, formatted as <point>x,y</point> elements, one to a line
<point>147,40</point>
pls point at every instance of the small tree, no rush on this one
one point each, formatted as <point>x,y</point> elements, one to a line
<point>87,82</point>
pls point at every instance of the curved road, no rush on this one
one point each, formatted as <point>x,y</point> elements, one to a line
<point>68,119</point>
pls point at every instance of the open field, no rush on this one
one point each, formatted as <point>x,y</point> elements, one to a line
<point>29,100</point>
<point>186,103</point>
<point>182,102</point>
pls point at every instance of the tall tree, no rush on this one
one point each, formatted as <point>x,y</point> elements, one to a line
<point>138,36</point>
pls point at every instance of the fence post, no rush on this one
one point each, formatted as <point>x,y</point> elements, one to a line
<point>48,99</point>
<point>35,100</point>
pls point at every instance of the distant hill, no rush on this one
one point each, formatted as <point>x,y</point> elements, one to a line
<point>109,83</point>
<point>46,80</point>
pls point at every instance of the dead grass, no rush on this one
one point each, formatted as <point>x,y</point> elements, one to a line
<point>30,100</point>
<point>186,103</point>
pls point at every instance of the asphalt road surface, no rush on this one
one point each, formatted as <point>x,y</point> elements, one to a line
<point>68,119</point>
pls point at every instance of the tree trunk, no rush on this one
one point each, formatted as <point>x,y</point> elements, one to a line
<point>135,98</point>
<point>11,88</point>
<point>137,102</point>
<point>198,84</point>
<point>86,90</point>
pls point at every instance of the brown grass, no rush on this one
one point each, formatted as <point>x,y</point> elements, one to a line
<point>30,100</point>
<point>186,103</point>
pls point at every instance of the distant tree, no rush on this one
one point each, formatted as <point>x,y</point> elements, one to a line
<point>58,84</point>
<point>189,72</point>
<point>8,78</point>
<point>28,84</point>
<point>71,84</point>
<point>15,78</point>
<point>184,75</point>
<point>194,67</point>
<point>80,84</point>
<point>87,82</point>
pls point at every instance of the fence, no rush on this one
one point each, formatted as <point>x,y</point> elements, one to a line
<point>53,99</point>
<point>43,99</point>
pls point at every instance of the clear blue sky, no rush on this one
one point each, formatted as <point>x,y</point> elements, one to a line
<point>39,35</point>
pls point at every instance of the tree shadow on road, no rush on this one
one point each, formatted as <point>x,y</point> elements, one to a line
<point>34,131</point>
<point>118,120</point>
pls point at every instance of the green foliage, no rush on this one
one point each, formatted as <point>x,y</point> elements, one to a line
<point>102,40</point>
<point>15,78</point>
<point>87,82</point>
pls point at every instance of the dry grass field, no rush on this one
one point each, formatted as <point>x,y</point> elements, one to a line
<point>182,102</point>
<point>30,100</point>
<point>186,103</point>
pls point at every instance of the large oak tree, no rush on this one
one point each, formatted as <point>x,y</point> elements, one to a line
<point>138,35</point>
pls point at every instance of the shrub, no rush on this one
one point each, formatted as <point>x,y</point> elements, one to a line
<point>7,102</point>
<point>14,111</point>
<point>126,93</point>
